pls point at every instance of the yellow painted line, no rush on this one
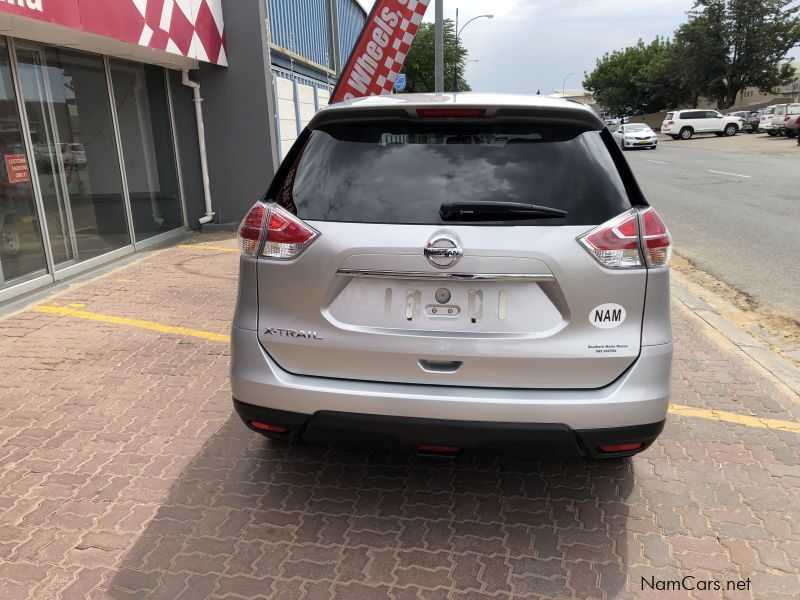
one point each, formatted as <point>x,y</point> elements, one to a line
<point>676,409</point>
<point>149,325</point>
<point>731,417</point>
<point>207,247</point>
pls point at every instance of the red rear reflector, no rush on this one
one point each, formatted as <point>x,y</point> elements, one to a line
<point>270,428</point>
<point>451,113</point>
<point>250,230</point>
<point>434,449</point>
<point>622,447</point>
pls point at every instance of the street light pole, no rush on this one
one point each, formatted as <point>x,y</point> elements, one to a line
<point>458,37</point>
<point>439,58</point>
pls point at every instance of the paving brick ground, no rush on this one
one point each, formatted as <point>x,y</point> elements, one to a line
<point>123,474</point>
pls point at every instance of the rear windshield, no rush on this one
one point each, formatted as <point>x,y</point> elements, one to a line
<point>402,172</point>
<point>668,116</point>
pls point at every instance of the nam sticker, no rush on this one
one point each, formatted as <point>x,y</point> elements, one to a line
<point>607,316</point>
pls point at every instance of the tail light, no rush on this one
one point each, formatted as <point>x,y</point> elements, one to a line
<point>670,122</point>
<point>786,118</point>
<point>283,235</point>
<point>629,241</point>
<point>656,240</point>
<point>615,244</point>
<point>251,229</point>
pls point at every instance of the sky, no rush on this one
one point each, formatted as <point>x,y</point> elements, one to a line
<point>533,45</point>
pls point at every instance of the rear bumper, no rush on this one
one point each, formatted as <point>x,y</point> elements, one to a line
<point>639,397</point>
<point>408,433</point>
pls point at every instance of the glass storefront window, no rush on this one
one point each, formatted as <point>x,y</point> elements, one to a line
<point>69,114</point>
<point>21,249</point>
<point>140,94</point>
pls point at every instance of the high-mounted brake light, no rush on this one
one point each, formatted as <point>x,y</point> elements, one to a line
<point>284,237</point>
<point>451,113</point>
<point>631,240</point>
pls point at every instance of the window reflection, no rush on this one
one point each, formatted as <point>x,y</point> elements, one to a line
<point>140,93</point>
<point>21,249</point>
<point>69,114</point>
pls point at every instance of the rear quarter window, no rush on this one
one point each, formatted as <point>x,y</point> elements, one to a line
<point>403,172</point>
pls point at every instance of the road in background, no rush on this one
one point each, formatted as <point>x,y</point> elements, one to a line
<point>734,214</point>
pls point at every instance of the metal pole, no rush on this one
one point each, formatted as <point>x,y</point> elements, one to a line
<point>439,73</point>
<point>455,61</point>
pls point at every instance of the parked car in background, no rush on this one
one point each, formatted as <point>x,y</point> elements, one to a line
<point>461,311</point>
<point>683,124</point>
<point>635,135</point>
<point>740,114</point>
<point>789,125</point>
<point>776,120</point>
<point>792,126</point>
<point>766,119</point>
<point>752,122</point>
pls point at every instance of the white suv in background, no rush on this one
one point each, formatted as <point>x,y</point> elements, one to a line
<point>683,124</point>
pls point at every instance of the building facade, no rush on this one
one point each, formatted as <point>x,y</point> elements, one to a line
<point>125,122</point>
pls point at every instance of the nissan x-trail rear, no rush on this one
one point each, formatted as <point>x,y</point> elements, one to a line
<point>453,273</point>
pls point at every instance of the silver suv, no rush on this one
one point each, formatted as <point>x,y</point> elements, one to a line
<point>454,273</point>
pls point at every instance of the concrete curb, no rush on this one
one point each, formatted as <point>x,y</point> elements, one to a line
<point>782,369</point>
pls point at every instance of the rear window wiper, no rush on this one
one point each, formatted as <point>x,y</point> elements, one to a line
<point>497,211</point>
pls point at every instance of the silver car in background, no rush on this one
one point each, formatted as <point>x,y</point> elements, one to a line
<point>453,273</point>
<point>634,135</point>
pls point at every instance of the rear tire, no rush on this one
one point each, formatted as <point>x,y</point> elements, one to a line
<point>771,134</point>
<point>686,133</point>
<point>790,134</point>
<point>731,130</point>
<point>719,133</point>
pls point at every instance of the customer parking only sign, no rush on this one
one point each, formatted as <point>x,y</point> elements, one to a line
<point>381,50</point>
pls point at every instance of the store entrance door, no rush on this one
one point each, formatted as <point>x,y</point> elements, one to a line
<point>49,154</point>
<point>68,107</point>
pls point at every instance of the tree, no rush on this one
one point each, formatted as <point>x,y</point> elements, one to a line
<point>735,44</point>
<point>420,63</point>
<point>724,47</point>
<point>620,80</point>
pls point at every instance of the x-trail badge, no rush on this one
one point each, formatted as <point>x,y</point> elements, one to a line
<point>443,252</point>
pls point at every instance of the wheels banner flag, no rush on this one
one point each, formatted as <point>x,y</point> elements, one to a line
<point>381,49</point>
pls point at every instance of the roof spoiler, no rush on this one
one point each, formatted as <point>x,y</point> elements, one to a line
<point>567,116</point>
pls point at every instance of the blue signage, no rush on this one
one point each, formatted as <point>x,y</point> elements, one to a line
<point>400,82</point>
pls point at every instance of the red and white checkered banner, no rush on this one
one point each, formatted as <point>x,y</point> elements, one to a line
<point>381,50</point>
<point>191,28</point>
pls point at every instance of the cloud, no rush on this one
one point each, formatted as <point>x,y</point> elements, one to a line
<point>532,45</point>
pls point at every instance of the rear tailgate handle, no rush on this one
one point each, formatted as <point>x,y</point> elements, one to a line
<point>440,366</point>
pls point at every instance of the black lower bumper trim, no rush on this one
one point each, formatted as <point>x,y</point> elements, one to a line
<point>377,431</point>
